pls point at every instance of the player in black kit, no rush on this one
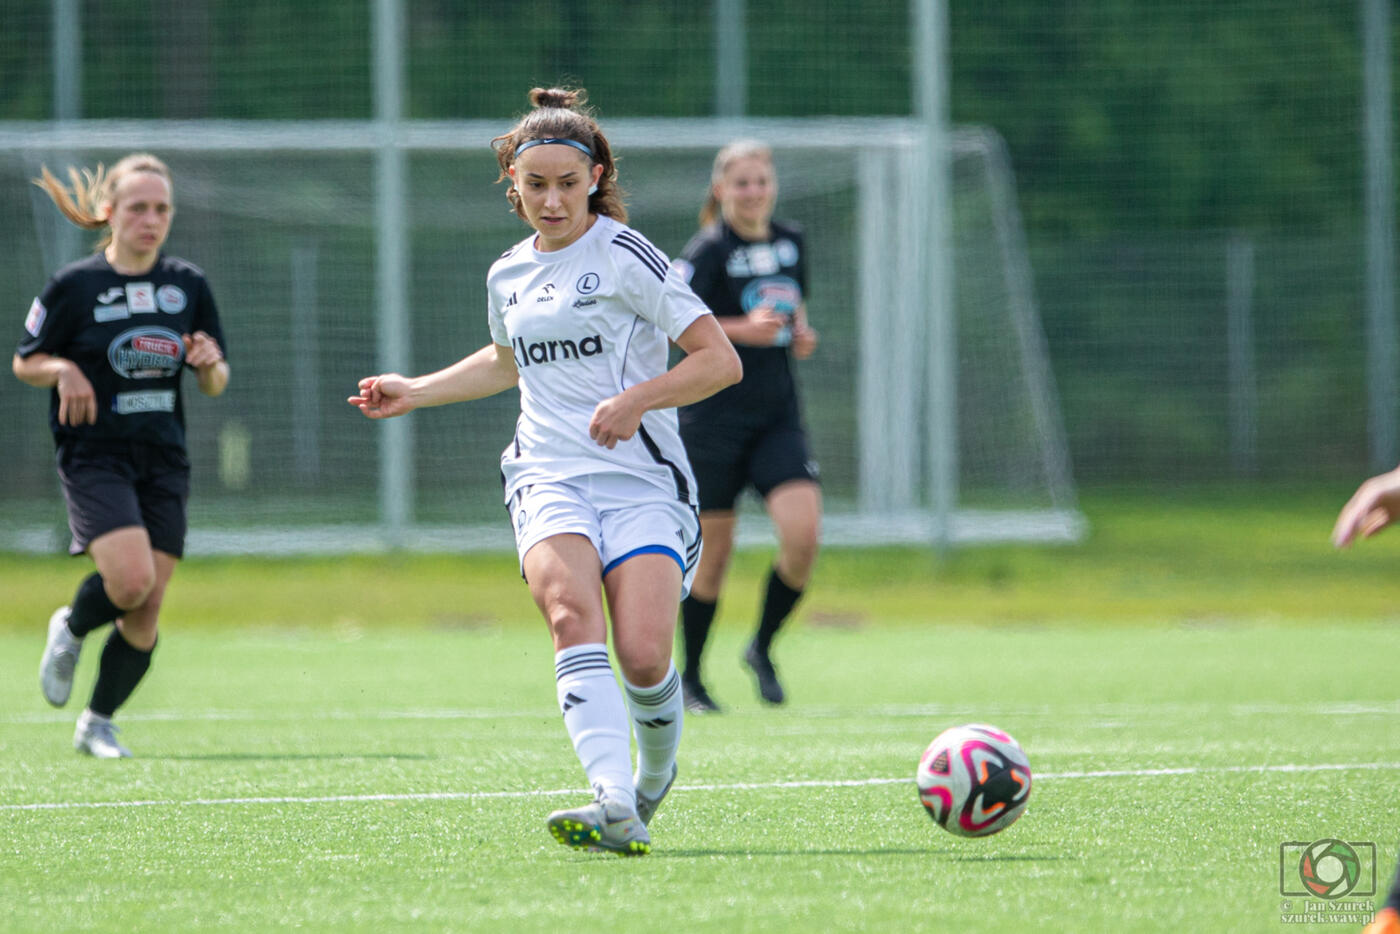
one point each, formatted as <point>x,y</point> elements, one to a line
<point>1373,507</point>
<point>751,271</point>
<point>111,336</point>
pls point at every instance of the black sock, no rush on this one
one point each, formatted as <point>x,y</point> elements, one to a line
<point>696,617</point>
<point>91,607</point>
<point>121,669</point>
<point>778,602</point>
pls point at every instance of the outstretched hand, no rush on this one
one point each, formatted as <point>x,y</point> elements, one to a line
<point>383,396</point>
<point>1374,505</point>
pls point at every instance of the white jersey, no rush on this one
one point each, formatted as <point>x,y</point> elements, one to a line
<point>584,323</point>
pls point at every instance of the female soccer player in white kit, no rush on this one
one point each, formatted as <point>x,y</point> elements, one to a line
<point>596,479</point>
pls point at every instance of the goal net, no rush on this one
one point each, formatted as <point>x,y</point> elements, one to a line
<point>336,250</point>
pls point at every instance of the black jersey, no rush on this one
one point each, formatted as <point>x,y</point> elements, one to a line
<point>124,333</point>
<point>735,276</point>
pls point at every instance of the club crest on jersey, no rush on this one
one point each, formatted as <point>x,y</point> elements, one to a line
<point>530,353</point>
<point>146,353</point>
<point>171,299</point>
<point>786,251</point>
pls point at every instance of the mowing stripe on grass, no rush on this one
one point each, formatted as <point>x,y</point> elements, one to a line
<point>1326,709</point>
<point>737,786</point>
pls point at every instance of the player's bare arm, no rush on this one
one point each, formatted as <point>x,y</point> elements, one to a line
<point>206,356</point>
<point>710,364</point>
<point>804,337</point>
<point>758,328</point>
<point>1374,505</point>
<point>77,402</point>
<point>488,371</point>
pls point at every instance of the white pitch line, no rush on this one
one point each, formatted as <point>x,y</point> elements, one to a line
<point>247,716</point>
<point>736,786</point>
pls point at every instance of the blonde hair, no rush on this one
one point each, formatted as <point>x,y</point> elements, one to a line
<point>730,154</point>
<point>92,190</point>
<point>560,114</point>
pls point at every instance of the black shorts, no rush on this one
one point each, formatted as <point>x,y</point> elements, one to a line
<point>112,486</point>
<point>728,456</point>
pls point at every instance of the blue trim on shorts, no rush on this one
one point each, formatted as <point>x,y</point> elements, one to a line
<point>648,550</point>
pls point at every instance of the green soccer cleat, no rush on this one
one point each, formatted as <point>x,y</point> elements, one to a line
<point>601,827</point>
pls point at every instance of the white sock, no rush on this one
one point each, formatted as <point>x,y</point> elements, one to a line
<point>657,713</point>
<point>596,719</point>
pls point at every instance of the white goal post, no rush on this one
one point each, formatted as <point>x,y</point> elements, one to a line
<point>855,184</point>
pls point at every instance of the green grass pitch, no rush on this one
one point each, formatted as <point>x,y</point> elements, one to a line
<point>340,766</point>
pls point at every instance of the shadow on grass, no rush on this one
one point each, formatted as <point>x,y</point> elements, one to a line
<point>286,756</point>
<point>948,855</point>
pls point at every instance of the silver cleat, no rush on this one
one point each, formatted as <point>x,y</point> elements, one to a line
<point>60,659</point>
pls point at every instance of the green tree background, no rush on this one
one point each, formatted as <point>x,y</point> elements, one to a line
<point>1145,137</point>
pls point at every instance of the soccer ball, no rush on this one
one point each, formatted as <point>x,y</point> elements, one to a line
<point>974,780</point>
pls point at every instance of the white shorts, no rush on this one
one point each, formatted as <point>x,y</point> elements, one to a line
<point>623,517</point>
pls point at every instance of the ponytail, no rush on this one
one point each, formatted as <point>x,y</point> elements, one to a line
<point>87,202</point>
